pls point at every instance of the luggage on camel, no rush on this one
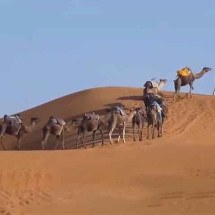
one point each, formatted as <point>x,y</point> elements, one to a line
<point>184,72</point>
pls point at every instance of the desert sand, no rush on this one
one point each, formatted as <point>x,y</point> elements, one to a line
<point>173,174</point>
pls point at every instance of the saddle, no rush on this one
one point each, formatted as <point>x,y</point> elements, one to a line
<point>13,119</point>
<point>88,116</point>
<point>56,120</point>
<point>119,110</point>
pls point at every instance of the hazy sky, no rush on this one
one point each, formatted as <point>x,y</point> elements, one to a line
<point>51,48</point>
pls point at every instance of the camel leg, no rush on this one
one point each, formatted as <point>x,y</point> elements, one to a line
<point>45,138</point>
<point>118,139</point>
<point>3,129</point>
<point>162,129</point>
<point>134,139</point>
<point>80,131</point>
<point>94,136</point>
<point>153,130</point>
<point>2,144</point>
<point>18,141</point>
<point>102,136</point>
<point>123,133</point>
<point>111,132</point>
<point>78,138</point>
<point>83,140</point>
<point>58,139</point>
<point>158,125</point>
<point>191,87</point>
<point>148,132</point>
<point>177,85</point>
<point>62,140</point>
<point>141,132</point>
<point>110,136</point>
<point>176,95</point>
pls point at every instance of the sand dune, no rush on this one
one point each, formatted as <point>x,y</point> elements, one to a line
<point>174,174</point>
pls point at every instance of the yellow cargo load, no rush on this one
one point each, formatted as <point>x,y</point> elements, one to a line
<point>184,72</point>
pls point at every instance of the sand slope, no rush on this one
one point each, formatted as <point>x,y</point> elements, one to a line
<point>174,174</point>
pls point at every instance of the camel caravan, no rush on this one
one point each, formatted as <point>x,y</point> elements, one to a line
<point>151,113</point>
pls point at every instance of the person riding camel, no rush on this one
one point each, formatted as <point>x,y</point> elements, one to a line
<point>151,99</point>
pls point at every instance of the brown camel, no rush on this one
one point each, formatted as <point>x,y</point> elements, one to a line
<point>16,128</point>
<point>89,123</point>
<point>156,110</point>
<point>57,127</point>
<point>154,122</point>
<point>188,80</point>
<point>139,119</point>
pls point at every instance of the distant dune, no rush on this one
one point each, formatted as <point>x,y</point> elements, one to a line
<point>174,174</point>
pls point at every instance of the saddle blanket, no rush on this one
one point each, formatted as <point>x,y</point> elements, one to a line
<point>57,120</point>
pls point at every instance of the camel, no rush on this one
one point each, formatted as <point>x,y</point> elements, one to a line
<point>188,80</point>
<point>139,119</point>
<point>156,110</point>
<point>158,86</point>
<point>16,128</point>
<point>90,123</point>
<point>118,118</point>
<point>57,127</point>
<point>154,122</point>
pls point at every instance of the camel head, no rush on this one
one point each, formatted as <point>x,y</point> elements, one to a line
<point>206,69</point>
<point>34,120</point>
<point>141,110</point>
<point>163,81</point>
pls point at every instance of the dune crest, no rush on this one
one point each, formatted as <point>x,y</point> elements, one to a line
<point>174,174</point>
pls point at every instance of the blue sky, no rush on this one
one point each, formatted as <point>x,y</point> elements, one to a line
<point>43,43</point>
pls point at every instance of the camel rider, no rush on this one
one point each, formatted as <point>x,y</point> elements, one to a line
<point>150,99</point>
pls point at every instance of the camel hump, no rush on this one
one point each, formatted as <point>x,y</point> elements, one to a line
<point>184,72</point>
<point>56,120</point>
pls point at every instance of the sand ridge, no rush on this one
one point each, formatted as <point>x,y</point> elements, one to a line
<point>174,174</point>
